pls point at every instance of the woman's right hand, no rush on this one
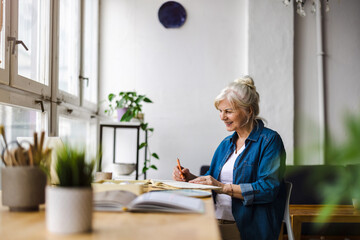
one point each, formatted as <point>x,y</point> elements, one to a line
<point>177,174</point>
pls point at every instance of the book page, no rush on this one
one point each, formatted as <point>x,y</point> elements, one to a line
<point>189,192</point>
<point>178,184</point>
<point>116,200</point>
<point>166,202</point>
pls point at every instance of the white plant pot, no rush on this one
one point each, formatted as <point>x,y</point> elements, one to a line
<point>23,188</point>
<point>69,209</point>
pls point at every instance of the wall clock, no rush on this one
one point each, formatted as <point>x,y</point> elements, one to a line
<point>172,14</point>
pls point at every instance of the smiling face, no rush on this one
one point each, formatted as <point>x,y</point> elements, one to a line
<point>234,119</point>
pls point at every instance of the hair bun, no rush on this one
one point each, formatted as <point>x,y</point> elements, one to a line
<point>246,80</point>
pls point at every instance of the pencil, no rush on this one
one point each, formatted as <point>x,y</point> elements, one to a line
<point>181,174</point>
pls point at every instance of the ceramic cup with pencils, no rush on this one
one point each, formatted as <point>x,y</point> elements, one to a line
<point>23,178</point>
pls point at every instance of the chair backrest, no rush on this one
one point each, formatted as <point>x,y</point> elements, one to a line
<point>287,212</point>
<point>204,169</point>
<point>308,179</point>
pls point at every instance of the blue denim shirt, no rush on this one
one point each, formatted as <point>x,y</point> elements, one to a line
<point>259,171</point>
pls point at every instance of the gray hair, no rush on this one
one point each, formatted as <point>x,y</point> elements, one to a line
<point>241,94</point>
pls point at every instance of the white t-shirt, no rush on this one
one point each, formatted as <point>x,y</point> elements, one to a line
<point>223,201</point>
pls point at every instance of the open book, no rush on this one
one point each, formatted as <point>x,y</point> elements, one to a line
<point>182,185</point>
<point>157,201</point>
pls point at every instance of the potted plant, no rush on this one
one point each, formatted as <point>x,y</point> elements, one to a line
<point>129,106</point>
<point>23,178</point>
<point>69,202</point>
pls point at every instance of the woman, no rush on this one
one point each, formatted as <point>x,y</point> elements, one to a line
<point>248,166</point>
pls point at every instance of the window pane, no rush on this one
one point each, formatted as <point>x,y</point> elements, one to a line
<point>90,53</point>
<point>80,133</point>
<point>21,122</point>
<point>69,46</point>
<point>33,30</point>
<point>2,34</point>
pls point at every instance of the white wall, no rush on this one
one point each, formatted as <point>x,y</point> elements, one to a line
<point>342,69</point>
<point>181,70</point>
<point>271,47</point>
<point>342,86</point>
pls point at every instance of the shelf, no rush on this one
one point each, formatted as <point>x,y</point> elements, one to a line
<point>118,125</point>
<point>114,123</point>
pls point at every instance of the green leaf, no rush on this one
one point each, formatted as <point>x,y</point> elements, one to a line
<point>144,169</point>
<point>153,167</point>
<point>142,145</point>
<point>139,99</point>
<point>111,96</point>
<point>147,100</point>
<point>143,126</point>
<point>150,129</point>
<point>127,116</point>
<point>155,155</point>
<point>122,103</point>
<point>131,94</point>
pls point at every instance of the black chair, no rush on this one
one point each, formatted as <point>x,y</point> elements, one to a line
<point>307,181</point>
<point>204,169</point>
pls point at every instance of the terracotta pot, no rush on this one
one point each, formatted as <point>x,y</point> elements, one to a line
<point>23,188</point>
<point>69,209</point>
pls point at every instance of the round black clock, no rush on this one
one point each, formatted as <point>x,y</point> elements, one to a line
<point>172,14</point>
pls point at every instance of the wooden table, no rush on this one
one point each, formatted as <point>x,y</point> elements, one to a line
<point>308,213</point>
<point>109,226</point>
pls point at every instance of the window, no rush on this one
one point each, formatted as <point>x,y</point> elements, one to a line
<point>22,122</point>
<point>90,52</point>
<point>69,46</point>
<point>41,59</point>
<point>34,31</point>
<point>80,132</point>
<point>29,45</point>
<point>4,28</point>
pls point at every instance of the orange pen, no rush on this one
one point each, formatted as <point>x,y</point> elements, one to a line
<point>181,174</point>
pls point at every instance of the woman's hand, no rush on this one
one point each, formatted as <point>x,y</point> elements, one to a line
<point>209,180</point>
<point>177,174</point>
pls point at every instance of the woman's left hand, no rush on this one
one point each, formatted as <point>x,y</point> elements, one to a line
<point>208,180</point>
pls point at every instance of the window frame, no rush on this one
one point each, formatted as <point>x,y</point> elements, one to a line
<point>19,91</point>
<point>84,102</point>
<point>5,72</point>
<point>62,95</point>
<point>16,80</point>
<point>17,98</point>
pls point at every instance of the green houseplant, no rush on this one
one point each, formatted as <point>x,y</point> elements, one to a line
<point>130,104</point>
<point>69,202</point>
